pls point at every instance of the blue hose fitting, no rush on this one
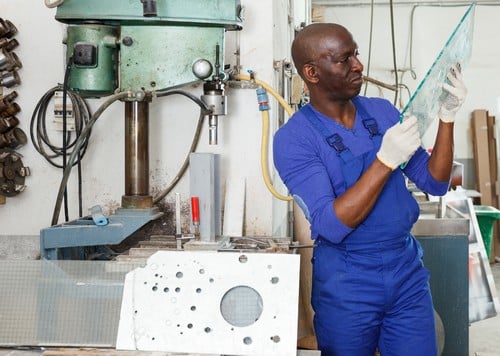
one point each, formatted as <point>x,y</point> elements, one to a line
<point>263,99</point>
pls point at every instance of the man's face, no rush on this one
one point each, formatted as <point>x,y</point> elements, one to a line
<point>338,68</point>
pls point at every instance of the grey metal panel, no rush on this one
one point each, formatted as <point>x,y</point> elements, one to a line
<point>446,257</point>
<point>205,184</point>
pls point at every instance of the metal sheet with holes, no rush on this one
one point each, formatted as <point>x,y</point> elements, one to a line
<point>212,302</point>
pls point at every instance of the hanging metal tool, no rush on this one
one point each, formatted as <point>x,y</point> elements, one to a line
<point>12,173</point>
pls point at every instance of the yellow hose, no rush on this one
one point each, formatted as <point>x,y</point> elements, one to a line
<point>270,89</point>
<point>265,135</point>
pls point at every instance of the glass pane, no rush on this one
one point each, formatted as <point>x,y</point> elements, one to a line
<point>426,100</point>
<point>63,303</point>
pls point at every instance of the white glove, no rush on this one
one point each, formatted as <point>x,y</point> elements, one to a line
<point>399,143</point>
<point>454,92</point>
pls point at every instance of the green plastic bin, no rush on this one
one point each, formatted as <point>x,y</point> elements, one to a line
<point>486,216</point>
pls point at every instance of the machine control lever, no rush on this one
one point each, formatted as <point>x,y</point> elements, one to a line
<point>195,216</point>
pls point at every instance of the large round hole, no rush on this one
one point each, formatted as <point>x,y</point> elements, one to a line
<point>241,306</point>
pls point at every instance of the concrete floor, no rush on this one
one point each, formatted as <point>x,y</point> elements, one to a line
<point>484,335</point>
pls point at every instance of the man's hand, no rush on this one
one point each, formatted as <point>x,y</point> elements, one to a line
<point>455,94</point>
<point>399,143</point>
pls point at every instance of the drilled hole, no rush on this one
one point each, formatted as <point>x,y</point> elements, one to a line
<point>232,301</point>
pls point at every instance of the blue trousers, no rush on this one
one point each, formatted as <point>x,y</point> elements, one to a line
<point>368,296</point>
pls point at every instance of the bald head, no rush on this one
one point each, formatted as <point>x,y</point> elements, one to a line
<point>309,44</point>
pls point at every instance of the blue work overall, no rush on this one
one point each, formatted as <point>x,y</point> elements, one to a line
<point>369,291</point>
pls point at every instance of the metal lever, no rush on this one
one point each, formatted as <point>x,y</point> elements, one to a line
<point>195,216</point>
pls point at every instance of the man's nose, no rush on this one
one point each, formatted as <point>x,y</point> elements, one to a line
<point>357,66</point>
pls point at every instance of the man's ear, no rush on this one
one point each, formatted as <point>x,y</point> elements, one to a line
<point>310,73</point>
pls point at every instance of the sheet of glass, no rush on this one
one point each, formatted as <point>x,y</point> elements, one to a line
<point>61,303</point>
<point>483,300</point>
<point>426,99</point>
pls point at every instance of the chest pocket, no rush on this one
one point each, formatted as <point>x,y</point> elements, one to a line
<point>352,166</point>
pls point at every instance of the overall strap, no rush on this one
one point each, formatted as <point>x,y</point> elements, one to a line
<point>368,121</point>
<point>352,167</point>
<point>333,140</point>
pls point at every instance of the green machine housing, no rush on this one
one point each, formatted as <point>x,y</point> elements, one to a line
<point>142,44</point>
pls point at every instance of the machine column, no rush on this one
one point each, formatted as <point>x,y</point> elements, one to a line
<point>137,156</point>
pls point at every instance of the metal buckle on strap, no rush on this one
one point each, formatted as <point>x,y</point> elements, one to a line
<point>335,141</point>
<point>371,126</point>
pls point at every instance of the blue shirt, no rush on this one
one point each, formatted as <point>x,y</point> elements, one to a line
<point>312,171</point>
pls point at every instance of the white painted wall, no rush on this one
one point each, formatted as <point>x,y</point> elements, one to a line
<point>264,39</point>
<point>432,27</point>
<point>172,123</point>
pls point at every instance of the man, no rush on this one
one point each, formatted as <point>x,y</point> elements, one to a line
<point>341,157</point>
